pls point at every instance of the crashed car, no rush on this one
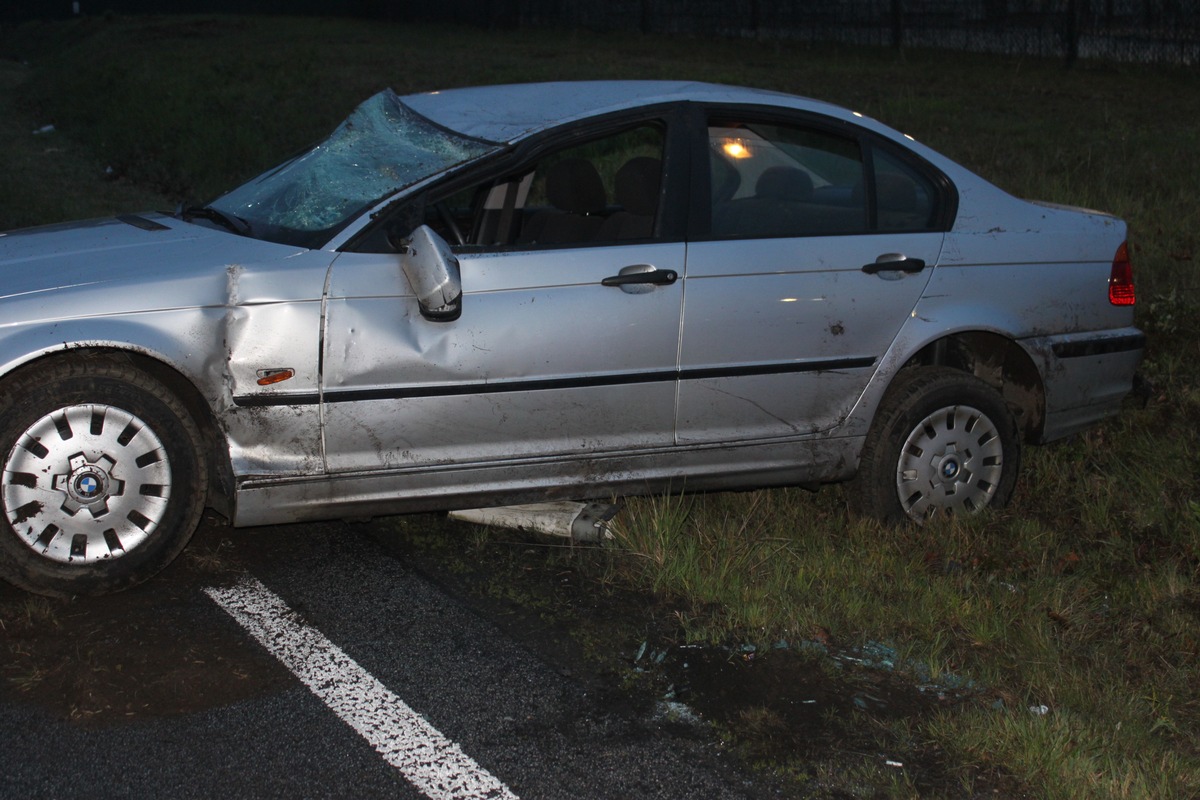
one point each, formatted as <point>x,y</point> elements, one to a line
<point>502,294</point>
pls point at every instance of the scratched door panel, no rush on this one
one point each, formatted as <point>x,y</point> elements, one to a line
<point>784,334</point>
<point>544,361</point>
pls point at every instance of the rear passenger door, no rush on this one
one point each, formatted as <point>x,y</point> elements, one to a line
<point>816,246</point>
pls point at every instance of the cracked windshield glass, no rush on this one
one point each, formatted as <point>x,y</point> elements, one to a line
<point>382,147</point>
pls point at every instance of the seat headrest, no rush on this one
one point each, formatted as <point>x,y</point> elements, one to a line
<point>784,183</point>
<point>573,185</point>
<point>636,185</point>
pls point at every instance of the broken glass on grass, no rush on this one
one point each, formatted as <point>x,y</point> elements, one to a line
<point>381,148</point>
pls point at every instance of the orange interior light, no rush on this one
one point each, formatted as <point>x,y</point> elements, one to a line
<point>736,148</point>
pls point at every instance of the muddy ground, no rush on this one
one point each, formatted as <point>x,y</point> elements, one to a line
<point>831,722</point>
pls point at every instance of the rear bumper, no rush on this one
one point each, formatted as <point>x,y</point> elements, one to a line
<point>1086,376</point>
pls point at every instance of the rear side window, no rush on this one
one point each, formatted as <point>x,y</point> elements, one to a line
<point>772,180</point>
<point>904,198</point>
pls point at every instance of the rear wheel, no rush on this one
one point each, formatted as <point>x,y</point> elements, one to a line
<point>943,442</point>
<point>103,478</point>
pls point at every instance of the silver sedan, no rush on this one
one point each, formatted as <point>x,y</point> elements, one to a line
<point>498,294</point>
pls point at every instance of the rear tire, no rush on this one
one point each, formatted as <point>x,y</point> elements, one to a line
<point>943,442</point>
<point>103,478</point>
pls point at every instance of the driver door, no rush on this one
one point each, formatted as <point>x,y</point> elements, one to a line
<point>567,343</point>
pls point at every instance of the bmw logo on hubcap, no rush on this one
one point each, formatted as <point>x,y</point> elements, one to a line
<point>88,484</point>
<point>950,469</point>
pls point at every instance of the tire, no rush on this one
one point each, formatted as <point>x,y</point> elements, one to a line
<point>103,477</point>
<point>943,441</point>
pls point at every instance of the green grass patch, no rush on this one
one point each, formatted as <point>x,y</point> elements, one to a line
<point>1081,597</point>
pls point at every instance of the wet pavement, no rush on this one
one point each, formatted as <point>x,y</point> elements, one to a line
<point>158,691</point>
<point>515,648</point>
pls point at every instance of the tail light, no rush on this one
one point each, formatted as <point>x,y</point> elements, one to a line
<point>1120,280</point>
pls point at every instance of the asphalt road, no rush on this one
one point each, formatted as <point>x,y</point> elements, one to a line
<point>212,712</point>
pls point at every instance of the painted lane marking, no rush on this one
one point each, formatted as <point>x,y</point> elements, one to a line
<point>428,760</point>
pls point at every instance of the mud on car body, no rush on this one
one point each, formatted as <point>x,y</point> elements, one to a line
<point>499,294</point>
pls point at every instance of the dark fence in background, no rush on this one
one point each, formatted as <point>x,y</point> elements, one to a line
<point>1152,31</point>
<point>1121,30</point>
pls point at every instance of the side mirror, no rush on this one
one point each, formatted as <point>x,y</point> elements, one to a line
<point>432,272</point>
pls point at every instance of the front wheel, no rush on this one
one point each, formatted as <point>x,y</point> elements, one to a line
<point>943,442</point>
<point>103,478</point>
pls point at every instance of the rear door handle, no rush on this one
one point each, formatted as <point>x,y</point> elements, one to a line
<point>895,262</point>
<point>640,278</point>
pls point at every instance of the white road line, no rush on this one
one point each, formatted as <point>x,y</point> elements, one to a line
<point>430,761</point>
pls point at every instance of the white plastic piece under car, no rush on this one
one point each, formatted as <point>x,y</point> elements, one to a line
<point>569,519</point>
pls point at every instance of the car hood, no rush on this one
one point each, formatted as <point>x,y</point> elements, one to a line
<point>130,255</point>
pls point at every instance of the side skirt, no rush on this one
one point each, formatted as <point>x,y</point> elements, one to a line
<point>261,501</point>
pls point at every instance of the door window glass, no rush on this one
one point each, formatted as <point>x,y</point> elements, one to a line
<point>904,198</point>
<point>601,191</point>
<point>605,190</point>
<point>773,180</point>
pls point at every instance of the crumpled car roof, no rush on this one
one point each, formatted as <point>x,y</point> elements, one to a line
<point>507,113</point>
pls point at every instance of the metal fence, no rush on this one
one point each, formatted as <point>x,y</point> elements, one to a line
<point>1152,31</point>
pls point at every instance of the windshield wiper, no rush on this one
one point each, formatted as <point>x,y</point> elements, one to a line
<point>231,222</point>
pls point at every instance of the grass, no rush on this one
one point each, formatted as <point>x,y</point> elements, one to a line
<point>31,614</point>
<point>1082,596</point>
<point>1095,627</point>
<point>50,177</point>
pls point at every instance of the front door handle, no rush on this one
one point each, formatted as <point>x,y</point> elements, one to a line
<point>895,262</point>
<point>641,278</point>
<point>641,274</point>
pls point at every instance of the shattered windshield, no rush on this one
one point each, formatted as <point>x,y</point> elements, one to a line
<point>382,147</point>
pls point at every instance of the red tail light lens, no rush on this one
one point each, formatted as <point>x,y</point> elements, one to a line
<point>1120,281</point>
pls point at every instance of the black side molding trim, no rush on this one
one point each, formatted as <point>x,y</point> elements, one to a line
<point>1100,346</point>
<point>585,382</point>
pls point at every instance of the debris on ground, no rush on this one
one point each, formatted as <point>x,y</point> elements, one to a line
<point>570,519</point>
